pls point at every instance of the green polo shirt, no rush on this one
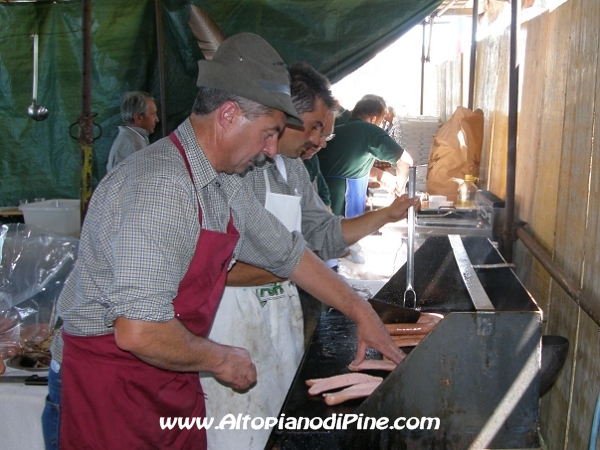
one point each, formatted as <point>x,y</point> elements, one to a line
<point>356,145</point>
<point>351,154</point>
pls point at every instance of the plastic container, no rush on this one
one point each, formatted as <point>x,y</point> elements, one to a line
<point>59,216</point>
<point>434,201</point>
<point>467,192</point>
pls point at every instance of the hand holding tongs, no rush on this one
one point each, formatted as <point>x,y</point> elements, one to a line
<point>410,252</point>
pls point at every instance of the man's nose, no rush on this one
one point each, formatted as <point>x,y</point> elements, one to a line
<point>322,141</point>
<point>315,137</point>
<point>270,149</point>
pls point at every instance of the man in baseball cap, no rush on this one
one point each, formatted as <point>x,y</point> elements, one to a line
<point>161,232</point>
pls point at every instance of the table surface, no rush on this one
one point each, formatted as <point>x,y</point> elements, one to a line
<point>383,253</point>
<point>21,406</point>
<point>8,211</point>
<point>21,411</point>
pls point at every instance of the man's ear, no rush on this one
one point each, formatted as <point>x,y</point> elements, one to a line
<point>228,111</point>
<point>137,119</point>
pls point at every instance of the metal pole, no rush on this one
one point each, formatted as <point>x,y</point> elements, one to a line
<point>86,120</point>
<point>473,62</point>
<point>589,305</point>
<point>422,69</point>
<point>161,66</point>
<point>508,233</point>
<point>410,250</point>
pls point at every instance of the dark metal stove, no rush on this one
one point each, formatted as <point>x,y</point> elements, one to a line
<point>477,371</point>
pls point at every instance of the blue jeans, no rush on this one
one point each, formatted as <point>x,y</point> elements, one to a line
<point>51,414</point>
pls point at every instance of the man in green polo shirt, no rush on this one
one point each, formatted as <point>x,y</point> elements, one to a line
<point>348,158</point>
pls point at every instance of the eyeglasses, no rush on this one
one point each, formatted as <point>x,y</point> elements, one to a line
<point>327,137</point>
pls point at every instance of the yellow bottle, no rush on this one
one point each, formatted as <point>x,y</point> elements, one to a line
<point>467,192</point>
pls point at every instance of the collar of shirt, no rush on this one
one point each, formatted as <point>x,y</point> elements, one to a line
<point>141,131</point>
<point>281,167</point>
<point>203,172</point>
<point>273,166</point>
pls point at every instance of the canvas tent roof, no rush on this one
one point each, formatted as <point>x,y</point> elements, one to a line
<point>40,159</point>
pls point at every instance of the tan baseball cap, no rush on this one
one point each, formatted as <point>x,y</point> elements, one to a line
<point>246,65</point>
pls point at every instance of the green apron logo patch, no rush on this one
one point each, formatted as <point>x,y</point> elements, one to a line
<point>270,292</point>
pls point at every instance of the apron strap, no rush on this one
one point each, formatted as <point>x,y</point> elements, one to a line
<point>179,146</point>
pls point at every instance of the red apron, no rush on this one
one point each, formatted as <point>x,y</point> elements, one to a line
<point>113,400</point>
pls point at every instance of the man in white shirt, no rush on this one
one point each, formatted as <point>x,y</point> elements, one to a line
<point>138,111</point>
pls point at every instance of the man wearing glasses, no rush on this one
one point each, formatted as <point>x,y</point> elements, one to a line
<point>260,311</point>
<point>312,164</point>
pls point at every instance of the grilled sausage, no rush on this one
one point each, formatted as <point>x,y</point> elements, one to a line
<point>320,385</point>
<point>430,318</point>
<point>357,391</point>
<point>407,341</point>
<point>373,364</point>
<point>398,329</point>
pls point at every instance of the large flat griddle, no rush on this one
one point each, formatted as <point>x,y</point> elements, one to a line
<point>478,370</point>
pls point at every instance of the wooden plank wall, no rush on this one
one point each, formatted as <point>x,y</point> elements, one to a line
<point>491,90</point>
<point>452,93</point>
<point>557,187</point>
<point>547,59</point>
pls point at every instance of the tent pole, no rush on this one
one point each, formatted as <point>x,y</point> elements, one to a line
<point>86,120</point>
<point>508,233</point>
<point>422,69</point>
<point>473,61</point>
<point>161,66</point>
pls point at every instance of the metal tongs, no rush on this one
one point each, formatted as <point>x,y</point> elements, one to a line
<point>410,293</point>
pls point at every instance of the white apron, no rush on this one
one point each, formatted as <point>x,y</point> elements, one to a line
<point>267,321</point>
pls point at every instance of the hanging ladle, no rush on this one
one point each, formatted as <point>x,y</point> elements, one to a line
<point>35,111</point>
<point>410,296</point>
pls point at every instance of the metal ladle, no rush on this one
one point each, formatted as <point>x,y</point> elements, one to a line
<point>35,111</point>
<point>410,252</point>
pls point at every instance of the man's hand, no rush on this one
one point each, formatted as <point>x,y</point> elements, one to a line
<point>402,169</point>
<point>370,332</point>
<point>398,210</point>
<point>314,277</point>
<point>171,346</point>
<point>383,179</point>
<point>361,226</point>
<point>237,369</point>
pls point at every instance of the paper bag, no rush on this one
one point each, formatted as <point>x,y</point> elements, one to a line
<point>455,152</point>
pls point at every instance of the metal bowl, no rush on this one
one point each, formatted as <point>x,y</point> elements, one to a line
<point>23,362</point>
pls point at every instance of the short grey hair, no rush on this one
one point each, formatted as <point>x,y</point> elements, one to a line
<point>209,99</point>
<point>134,102</point>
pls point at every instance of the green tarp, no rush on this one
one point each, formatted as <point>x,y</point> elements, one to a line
<point>41,159</point>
